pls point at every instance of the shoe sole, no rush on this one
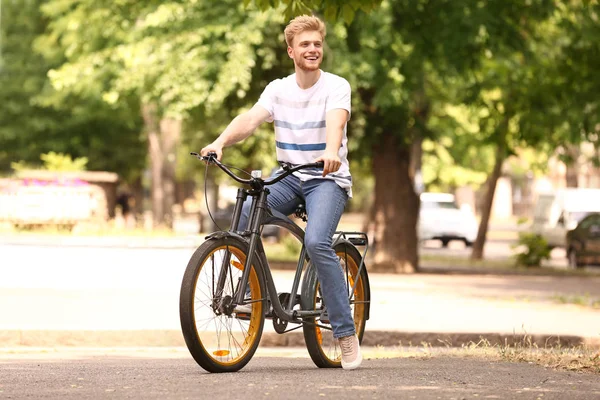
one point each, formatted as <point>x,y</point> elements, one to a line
<point>354,364</point>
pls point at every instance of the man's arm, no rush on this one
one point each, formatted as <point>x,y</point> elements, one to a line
<point>335,121</point>
<point>238,129</point>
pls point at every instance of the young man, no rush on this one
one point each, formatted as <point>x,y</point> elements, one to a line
<point>310,110</point>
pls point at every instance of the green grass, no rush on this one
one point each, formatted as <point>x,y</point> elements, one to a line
<point>497,266</point>
<point>584,300</point>
<point>286,250</point>
<point>451,261</point>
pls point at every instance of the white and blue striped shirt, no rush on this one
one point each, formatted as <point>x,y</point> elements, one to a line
<point>299,119</point>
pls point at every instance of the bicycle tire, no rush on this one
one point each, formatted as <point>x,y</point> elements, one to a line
<point>322,347</point>
<point>234,340</point>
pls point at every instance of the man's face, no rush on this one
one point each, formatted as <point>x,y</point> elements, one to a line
<point>307,50</point>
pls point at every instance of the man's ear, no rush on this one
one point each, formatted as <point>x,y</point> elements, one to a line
<point>290,51</point>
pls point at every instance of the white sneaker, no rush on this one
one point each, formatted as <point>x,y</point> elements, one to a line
<point>243,309</point>
<point>351,354</point>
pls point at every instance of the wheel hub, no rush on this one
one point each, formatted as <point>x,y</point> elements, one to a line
<point>224,306</point>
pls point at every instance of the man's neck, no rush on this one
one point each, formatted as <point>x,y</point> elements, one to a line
<point>306,79</point>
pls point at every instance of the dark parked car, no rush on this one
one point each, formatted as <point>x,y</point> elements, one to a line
<point>583,242</point>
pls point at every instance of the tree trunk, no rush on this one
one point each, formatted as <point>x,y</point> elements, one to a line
<point>572,164</point>
<point>138,196</point>
<point>396,208</point>
<point>369,220</point>
<point>149,114</point>
<point>479,244</point>
<point>163,137</point>
<point>416,157</point>
<point>170,132</point>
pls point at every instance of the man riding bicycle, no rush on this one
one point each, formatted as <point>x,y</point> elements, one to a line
<point>310,110</point>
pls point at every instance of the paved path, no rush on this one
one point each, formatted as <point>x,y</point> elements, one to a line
<point>79,289</point>
<point>173,377</point>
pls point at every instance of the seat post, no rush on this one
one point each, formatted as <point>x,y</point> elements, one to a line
<point>301,212</point>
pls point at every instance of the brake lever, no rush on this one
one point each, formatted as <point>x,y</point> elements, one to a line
<point>210,158</point>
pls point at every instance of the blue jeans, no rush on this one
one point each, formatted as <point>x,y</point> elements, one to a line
<point>325,202</point>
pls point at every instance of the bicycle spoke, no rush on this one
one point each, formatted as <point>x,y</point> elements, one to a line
<point>209,320</point>
<point>323,347</point>
<point>224,340</point>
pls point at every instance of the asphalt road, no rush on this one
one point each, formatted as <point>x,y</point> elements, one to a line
<point>440,377</point>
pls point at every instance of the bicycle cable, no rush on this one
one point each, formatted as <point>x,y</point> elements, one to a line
<point>206,195</point>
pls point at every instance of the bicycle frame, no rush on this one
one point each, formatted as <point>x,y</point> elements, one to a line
<point>257,219</point>
<point>260,214</point>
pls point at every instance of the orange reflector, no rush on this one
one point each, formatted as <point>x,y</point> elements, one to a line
<point>319,336</point>
<point>221,353</point>
<point>237,264</point>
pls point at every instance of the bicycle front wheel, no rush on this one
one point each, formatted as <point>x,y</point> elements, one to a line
<point>323,348</point>
<point>220,336</point>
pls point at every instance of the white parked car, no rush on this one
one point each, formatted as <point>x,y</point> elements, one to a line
<point>441,219</point>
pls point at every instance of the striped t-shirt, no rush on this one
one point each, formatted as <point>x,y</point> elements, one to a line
<point>299,119</point>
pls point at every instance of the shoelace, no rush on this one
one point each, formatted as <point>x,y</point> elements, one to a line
<point>347,345</point>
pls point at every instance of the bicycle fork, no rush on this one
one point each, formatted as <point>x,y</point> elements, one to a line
<point>257,208</point>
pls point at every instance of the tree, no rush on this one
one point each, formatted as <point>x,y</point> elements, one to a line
<point>571,41</point>
<point>399,55</point>
<point>395,56</point>
<point>31,125</point>
<point>333,10</point>
<point>534,104</point>
<point>174,57</point>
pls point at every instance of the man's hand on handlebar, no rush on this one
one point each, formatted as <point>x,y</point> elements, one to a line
<point>331,162</point>
<point>212,148</point>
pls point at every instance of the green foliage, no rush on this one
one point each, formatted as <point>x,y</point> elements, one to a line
<point>332,10</point>
<point>178,56</point>
<point>534,249</point>
<point>433,69</point>
<point>464,76</point>
<point>286,250</point>
<point>54,162</point>
<point>442,173</point>
<point>32,119</point>
<point>197,61</point>
<point>22,122</point>
<point>63,162</point>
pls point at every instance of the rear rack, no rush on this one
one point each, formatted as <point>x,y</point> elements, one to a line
<point>357,239</point>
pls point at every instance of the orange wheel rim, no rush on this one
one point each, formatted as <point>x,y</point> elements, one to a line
<point>328,345</point>
<point>228,339</point>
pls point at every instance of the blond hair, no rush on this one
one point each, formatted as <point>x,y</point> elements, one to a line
<point>301,24</point>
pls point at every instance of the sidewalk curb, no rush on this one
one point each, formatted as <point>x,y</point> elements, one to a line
<point>174,338</point>
<point>126,242</point>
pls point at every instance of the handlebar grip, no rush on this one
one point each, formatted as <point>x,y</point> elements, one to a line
<point>319,164</point>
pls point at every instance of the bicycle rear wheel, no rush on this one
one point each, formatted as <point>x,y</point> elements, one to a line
<point>219,338</point>
<point>323,348</point>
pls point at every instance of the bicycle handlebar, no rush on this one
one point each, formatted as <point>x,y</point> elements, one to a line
<point>211,158</point>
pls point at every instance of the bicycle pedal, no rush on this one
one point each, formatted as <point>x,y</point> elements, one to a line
<point>243,316</point>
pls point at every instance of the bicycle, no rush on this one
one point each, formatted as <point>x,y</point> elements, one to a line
<point>228,290</point>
